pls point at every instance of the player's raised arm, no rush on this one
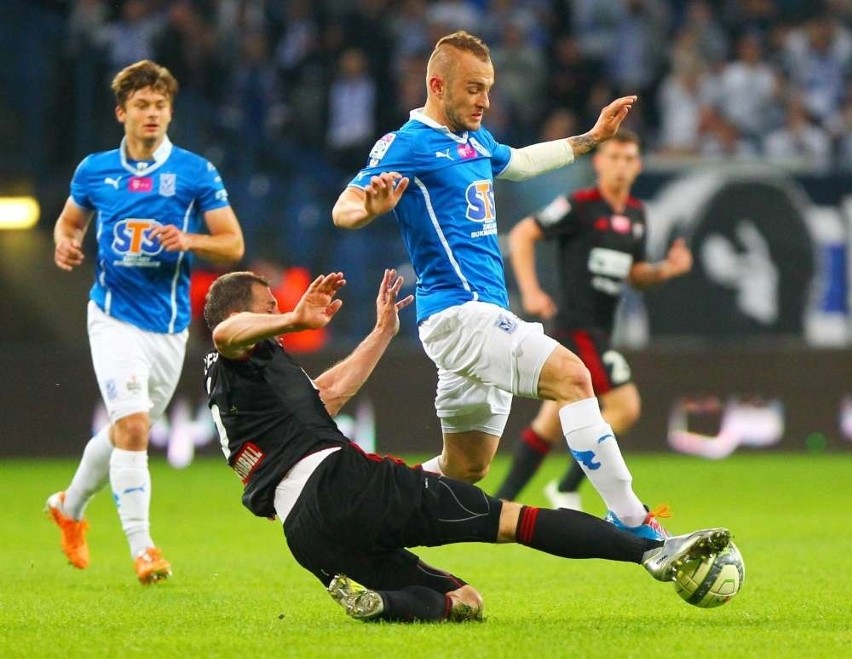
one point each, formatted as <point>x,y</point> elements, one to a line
<point>546,156</point>
<point>236,334</point>
<point>342,381</point>
<point>356,207</point>
<point>68,235</point>
<point>605,127</point>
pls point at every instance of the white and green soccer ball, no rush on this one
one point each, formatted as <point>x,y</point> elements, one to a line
<point>711,581</point>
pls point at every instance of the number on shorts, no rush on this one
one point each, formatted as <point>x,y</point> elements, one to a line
<point>619,369</point>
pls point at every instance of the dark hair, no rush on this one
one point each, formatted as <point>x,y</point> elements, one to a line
<point>627,136</point>
<point>229,294</point>
<point>141,75</point>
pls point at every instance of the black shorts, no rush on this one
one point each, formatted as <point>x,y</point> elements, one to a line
<point>358,512</point>
<point>608,367</point>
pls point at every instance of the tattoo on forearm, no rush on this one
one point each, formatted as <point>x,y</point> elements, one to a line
<point>582,143</point>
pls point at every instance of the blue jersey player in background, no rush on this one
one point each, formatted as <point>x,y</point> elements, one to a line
<point>437,175</point>
<point>155,206</point>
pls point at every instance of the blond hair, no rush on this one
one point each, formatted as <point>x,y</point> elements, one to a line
<point>460,40</point>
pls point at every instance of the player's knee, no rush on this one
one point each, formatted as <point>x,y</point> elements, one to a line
<point>131,433</point>
<point>571,380</point>
<point>469,472</point>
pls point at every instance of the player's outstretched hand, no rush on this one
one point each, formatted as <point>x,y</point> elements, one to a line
<point>387,304</point>
<point>318,305</point>
<point>384,192</point>
<point>611,117</point>
<point>68,254</point>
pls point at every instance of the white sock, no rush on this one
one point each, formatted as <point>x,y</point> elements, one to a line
<point>433,465</point>
<point>594,446</point>
<point>131,489</point>
<point>91,475</point>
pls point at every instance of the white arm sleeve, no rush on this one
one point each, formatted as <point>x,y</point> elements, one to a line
<point>537,159</point>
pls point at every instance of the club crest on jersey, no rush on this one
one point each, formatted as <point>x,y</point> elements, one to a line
<point>140,184</point>
<point>168,183</point>
<point>133,242</point>
<point>466,151</point>
<point>620,223</point>
<point>381,147</point>
<point>480,201</point>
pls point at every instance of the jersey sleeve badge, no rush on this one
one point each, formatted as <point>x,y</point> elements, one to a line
<point>381,147</point>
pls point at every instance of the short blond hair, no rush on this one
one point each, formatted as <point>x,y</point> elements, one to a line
<point>461,40</point>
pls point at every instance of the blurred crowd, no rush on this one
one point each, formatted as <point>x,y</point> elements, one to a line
<point>717,79</point>
<point>287,96</point>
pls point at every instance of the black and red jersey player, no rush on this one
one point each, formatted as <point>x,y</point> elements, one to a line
<point>349,516</point>
<point>600,233</point>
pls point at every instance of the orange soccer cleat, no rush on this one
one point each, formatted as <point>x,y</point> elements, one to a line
<point>151,567</point>
<point>73,531</point>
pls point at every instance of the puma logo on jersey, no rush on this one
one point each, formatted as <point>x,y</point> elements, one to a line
<point>444,154</point>
<point>112,181</point>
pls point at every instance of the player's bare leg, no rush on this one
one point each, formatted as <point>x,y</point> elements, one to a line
<point>466,456</point>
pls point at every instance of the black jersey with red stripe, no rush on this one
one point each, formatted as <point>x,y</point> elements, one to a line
<point>597,246</point>
<point>269,416</point>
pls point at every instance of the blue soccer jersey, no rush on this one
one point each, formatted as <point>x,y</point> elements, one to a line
<point>136,280</point>
<point>447,216</point>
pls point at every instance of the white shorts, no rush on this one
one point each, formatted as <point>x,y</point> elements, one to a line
<point>137,370</point>
<point>484,355</point>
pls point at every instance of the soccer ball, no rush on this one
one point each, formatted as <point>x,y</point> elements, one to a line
<point>711,581</point>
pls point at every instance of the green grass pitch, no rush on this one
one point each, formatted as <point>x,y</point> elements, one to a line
<point>236,592</point>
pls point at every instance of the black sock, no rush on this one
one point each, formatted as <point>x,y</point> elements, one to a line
<point>572,534</point>
<point>573,477</point>
<point>414,603</point>
<point>529,452</point>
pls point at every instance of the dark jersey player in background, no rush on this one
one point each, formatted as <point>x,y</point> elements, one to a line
<point>601,236</point>
<point>349,515</point>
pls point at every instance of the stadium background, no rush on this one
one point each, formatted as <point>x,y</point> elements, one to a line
<point>745,109</point>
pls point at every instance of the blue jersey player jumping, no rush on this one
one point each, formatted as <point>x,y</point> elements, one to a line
<point>436,174</point>
<point>156,206</point>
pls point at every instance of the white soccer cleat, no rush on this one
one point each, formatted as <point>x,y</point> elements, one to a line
<point>559,499</point>
<point>663,562</point>
<point>359,602</point>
